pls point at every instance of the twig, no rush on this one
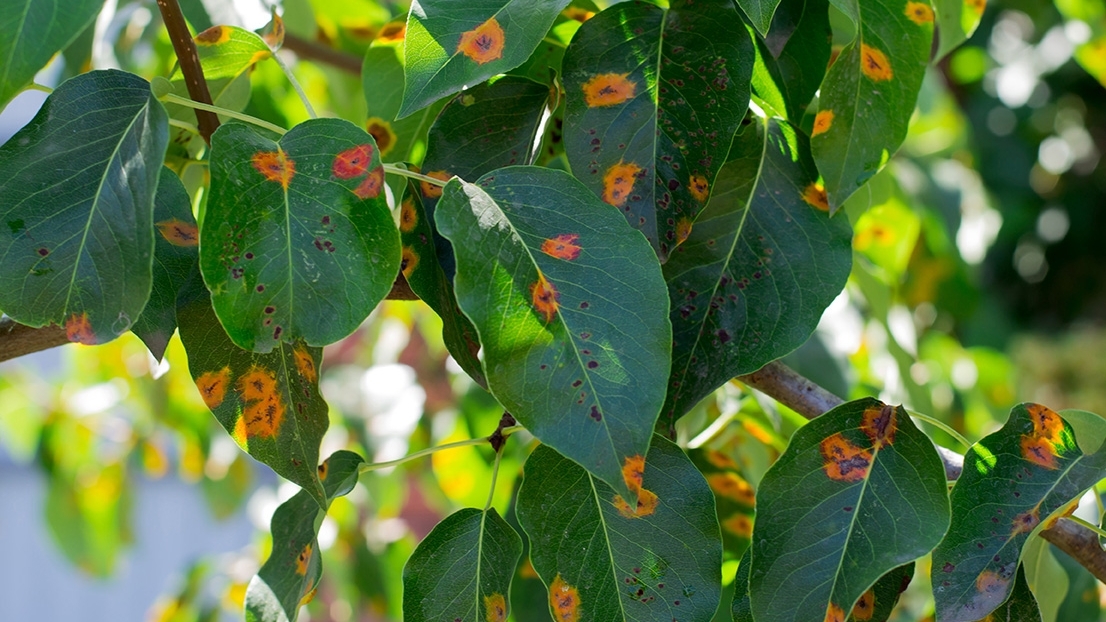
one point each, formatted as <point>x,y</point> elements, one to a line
<point>1080,543</point>
<point>189,61</point>
<point>314,51</point>
<point>17,339</point>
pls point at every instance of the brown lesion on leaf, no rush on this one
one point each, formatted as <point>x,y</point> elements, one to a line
<point>865,606</point>
<point>991,582</point>
<point>1046,442</point>
<point>732,486</point>
<point>213,36</point>
<point>382,133</point>
<point>78,329</point>
<point>370,187</point>
<point>844,461</point>
<point>919,12</point>
<point>1026,521</point>
<point>213,386</point>
<point>879,423</point>
<point>875,64</point>
<point>484,43</point>
<point>565,600</point>
<point>275,166</point>
<point>1046,422</point>
<point>563,246</point>
<point>647,502</point>
<point>324,468</point>
<point>683,230</point>
<point>264,409</point>
<point>302,559</point>
<point>544,296</point>
<point>409,260</point>
<point>352,162</point>
<point>823,121</point>
<point>1039,451</point>
<point>495,608</point>
<point>608,89</point>
<point>433,191</point>
<point>408,216</point>
<point>699,188</point>
<point>721,460</point>
<point>740,525</point>
<point>305,364</point>
<point>618,182</point>
<point>815,196</point>
<point>834,613</point>
<point>392,32</point>
<point>179,233</point>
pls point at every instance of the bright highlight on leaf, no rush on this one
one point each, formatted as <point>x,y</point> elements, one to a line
<point>822,122</point>
<point>609,89</point>
<point>179,233</point>
<point>618,182</point>
<point>275,166</point>
<point>919,12</point>
<point>484,43</point>
<point>874,64</point>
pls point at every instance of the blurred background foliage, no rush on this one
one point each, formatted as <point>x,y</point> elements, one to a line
<point>979,282</point>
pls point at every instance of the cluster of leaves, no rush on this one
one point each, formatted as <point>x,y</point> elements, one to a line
<point>694,240</point>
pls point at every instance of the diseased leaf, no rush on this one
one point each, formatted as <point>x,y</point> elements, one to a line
<point>734,498</point>
<point>228,51</point>
<point>32,31</point>
<point>652,100</point>
<point>77,188</point>
<point>402,140</point>
<point>759,267</point>
<point>297,240</point>
<point>956,22</point>
<point>876,604</point>
<point>452,44</point>
<point>462,570</point>
<point>792,59</point>
<point>1013,480</point>
<point>570,307</point>
<point>1021,606</point>
<point>759,12</point>
<point>604,560</point>
<point>859,492</point>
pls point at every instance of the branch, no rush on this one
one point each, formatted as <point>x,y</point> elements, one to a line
<point>314,51</point>
<point>17,339</point>
<point>1080,543</point>
<point>189,61</point>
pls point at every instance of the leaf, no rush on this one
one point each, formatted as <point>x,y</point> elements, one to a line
<point>741,607</point>
<point>293,227</point>
<point>32,31</point>
<point>176,262</point>
<point>451,44</point>
<point>759,267</point>
<point>77,189</point>
<point>1013,480</point>
<point>876,604</point>
<point>569,305</point>
<point>462,570</point>
<point>227,52</point>
<point>760,13</point>
<point>649,136</point>
<point>1021,606</point>
<point>734,498</point>
<point>868,94</point>
<point>382,81</point>
<point>291,574</point>
<point>269,403</point>
<point>956,22</point>
<point>603,561</point>
<point>792,59</point>
<point>859,492</point>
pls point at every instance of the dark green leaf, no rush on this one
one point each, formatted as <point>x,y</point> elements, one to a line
<point>1021,606</point>
<point>462,570</point>
<point>652,100</point>
<point>760,266</point>
<point>31,31</point>
<point>382,80</point>
<point>859,492</point>
<point>77,188</point>
<point>876,604</point>
<point>569,305</point>
<point>602,560</point>
<point>957,21</point>
<point>292,228</point>
<point>741,608</point>
<point>759,12</point>
<point>1013,480</point>
<point>791,61</point>
<point>452,44</point>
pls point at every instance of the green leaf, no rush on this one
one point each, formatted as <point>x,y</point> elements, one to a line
<point>382,81</point>
<point>462,570</point>
<point>602,560</point>
<point>1013,480</point>
<point>1081,601</point>
<point>228,51</point>
<point>1022,606</point>
<point>452,44</point>
<point>760,13</point>
<point>176,262</point>
<point>859,492</point>
<point>734,498</point>
<point>876,604</point>
<point>760,266</point>
<point>77,188</point>
<point>792,59</point>
<point>652,100</point>
<point>868,94</point>
<point>294,226</point>
<point>291,574</point>
<point>956,22</point>
<point>741,608</point>
<point>31,31</point>
<point>570,307</point>
<point>269,403</point>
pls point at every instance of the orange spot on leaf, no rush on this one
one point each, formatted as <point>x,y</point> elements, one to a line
<point>633,471</point>
<point>495,608</point>
<point>608,89</point>
<point>302,559</point>
<point>179,233</point>
<point>274,166</point>
<point>732,486</point>
<point>562,247</point>
<point>844,461</point>
<point>815,196</point>
<point>264,409</point>
<point>578,14</point>
<point>239,434</point>
<point>324,468</point>
<point>699,188</point>
<point>879,423</point>
<point>372,185</point>
<point>1045,443</point>
<point>213,386</point>
<point>683,230</point>
<point>484,43</point>
<point>565,601</point>
<point>865,606</point>
<point>78,329</point>
<point>433,191</point>
<point>394,31</point>
<point>309,596</point>
<point>977,6</point>
<point>740,525</point>
<point>874,64</point>
<point>990,582</point>
<point>1046,423</point>
<point>822,122</point>
<point>618,182</point>
<point>646,504</point>
<point>408,216</point>
<point>1026,521</point>
<point>834,613</point>
<point>352,162</point>
<point>919,13</point>
<point>305,364</point>
<point>1039,451</point>
<point>382,133</point>
<point>544,296</point>
<point>409,260</point>
<point>720,460</point>
<point>213,36</point>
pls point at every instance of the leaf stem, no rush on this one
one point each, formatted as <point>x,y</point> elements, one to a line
<point>1095,528</point>
<point>942,426</point>
<point>552,41</point>
<point>35,86</point>
<point>181,101</point>
<point>422,453</point>
<point>184,125</point>
<point>495,474</point>
<point>402,172</point>
<point>295,84</point>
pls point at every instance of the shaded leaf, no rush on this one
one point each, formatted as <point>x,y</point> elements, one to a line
<point>859,492</point>
<point>1013,480</point>
<point>462,570</point>
<point>294,226</point>
<point>603,561</point>
<point>1021,606</point>
<point>876,604</point>
<point>956,22</point>
<point>792,59</point>
<point>741,607</point>
<point>77,188</point>
<point>758,269</point>
<point>569,305</point>
<point>759,12</point>
<point>649,136</point>
<point>32,31</point>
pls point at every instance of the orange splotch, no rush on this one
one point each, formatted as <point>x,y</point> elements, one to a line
<point>874,64</point>
<point>264,406</point>
<point>78,329</point>
<point>213,386</point>
<point>484,43</point>
<point>1044,444</point>
<point>618,182</point>
<point>213,36</point>
<point>815,196</point>
<point>834,613</point>
<point>545,297</point>
<point>758,432</point>
<point>305,364</point>
<point>409,260</point>
<point>408,216</point>
<point>372,185</point>
<point>324,468</point>
<point>562,247</point>
<point>879,424</point>
<point>608,89</point>
<point>1046,423</point>
<point>865,606</point>
<point>578,14</point>
<point>352,162</point>
<point>1065,511</point>
<point>434,191</point>
<point>699,188</point>
<point>382,133</point>
<point>259,56</point>
<point>740,525</point>
<point>240,434</point>
<point>179,233</point>
<point>633,471</point>
<point>1026,521</point>
<point>844,461</point>
<point>732,486</point>
<point>919,13</point>
<point>646,504</point>
<point>683,230</point>
<point>302,559</point>
<point>822,122</point>
<point>565,601</point>
<point>309,596</point>
<point>274,166</point>
<point>274,35</point>
<point>394,31</point>
<point>720,460</point>
<point>526,570</point>
<point>495,608</point>
<point>976,6</point>
<point>989,582</point>
<point>1039,451</point>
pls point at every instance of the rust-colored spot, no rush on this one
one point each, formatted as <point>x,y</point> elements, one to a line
<point>977,6</point>
<point>484,43</point>
<point>305,364</point>
<point>213,36</point>
<point>274,36</point>
<point>834,613</point>
<point>879,423</point>
<point>822,122</point>
<point>264,409</point>
<point>179,233</point>
<point>815,196</point>
<point>324,468</point>
<point>1039,451</point>
<point>865,606</point>
<point>720,460</point>
<point>732,486</point>
<point>408,216</point>
<point>683,230</point>
<point>699,188</point>
<point>309,596</point>
<point>213,386</point>
<point>608,89</point>
<point>578,14</point>
<point>919,12</point>
<point>544,296</point>
<point>740,525</point>
<point>1046,423</point>
<point>371,186</point>
<point>562,247</point>
<point>1026,521</point>
<point>618,182</point>
<point>633,471</point>
<point>1065,511</point>
<point>302,559</point>
<point>990,582</point>
<point>394,31</point>
<point>259,56</point>
<point>274,166</point>
<point>78,329</point>
<point>382,133</point>
<point>844,461</point>
<point>434,191</point>
<point>874,64</point>
<point>565,600</point>
<point>1044,444</point>
<point>409,260</point>
<point>352,162</point>
<point>646,504</point>
<point>495,608</point>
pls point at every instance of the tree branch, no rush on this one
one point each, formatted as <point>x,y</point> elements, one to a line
<point>17,339</point>
<point>1080,543</point>
<point>315,51</point>
<point>189,61</point>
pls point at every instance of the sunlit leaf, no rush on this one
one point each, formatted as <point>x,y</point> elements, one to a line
<point>759,12</point>
<point>956,22</point>
<point>32,31</point>
<point>228,51</point>
<point>792,59</point>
